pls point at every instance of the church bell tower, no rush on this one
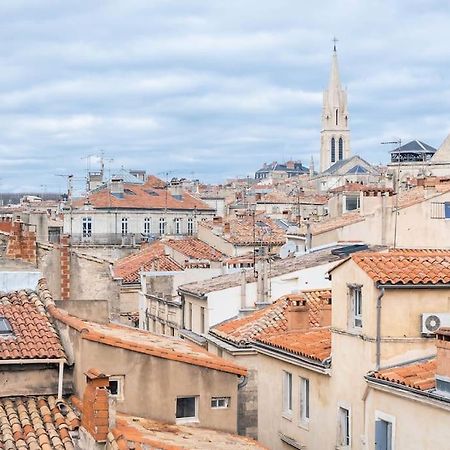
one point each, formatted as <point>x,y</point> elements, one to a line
<point>335,133</point>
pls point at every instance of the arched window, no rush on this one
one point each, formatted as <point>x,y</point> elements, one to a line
<point>337,115</point>
<point>341,148</point>
<point>333,150</point>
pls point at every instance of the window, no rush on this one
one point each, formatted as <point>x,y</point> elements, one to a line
<point>187,409</point>
<point>190,226</point>
<point>190,316</point>
<point>341,148</point>
<point>147,226</point>
<point>287,393</point>
<point>383,435</point>
<point>333,150</point>
<point>337,115</point>
<point>124,226</point>
<point>220,402</point>
<point>162,226</point>
<point>447,210</point>
<point>356,299</point>
<point>5,326</point>
<point>116,386</point>
<point>304,400</point>
<point>202,319</point>
<point>351,202</point>
<point>343,427</point>
<point>87,226</point>
<point>177,225</point>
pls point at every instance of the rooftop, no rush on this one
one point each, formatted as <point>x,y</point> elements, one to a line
<point>333,223</point>
<point>139,341</point>
<point>405,266</point>
<point>418,375</point>
<point>36,423</point>
<point>270,320</point>
<point>313,344</point>
<point>33,335</point>
<point>194,248</point>
<point>151,257</point>
<point>136,430</point>
<point>277,268</point>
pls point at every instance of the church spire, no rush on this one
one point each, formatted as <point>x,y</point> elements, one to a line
<point>335,134</point>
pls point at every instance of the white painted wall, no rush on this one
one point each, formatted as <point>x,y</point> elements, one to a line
<point>14,281</point>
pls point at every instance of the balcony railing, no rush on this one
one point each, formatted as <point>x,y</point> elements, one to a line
<point>129,239</point>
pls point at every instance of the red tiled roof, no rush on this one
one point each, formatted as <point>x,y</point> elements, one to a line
<point>336,222</point>
<point>36,423</point>
<point>406,266</point>
<point>358,187</point>
<point>139,341</point>
<point>33,337</point>
<point>314,344</point>
<point>419,375</point>
<point>150,195</point>
<point>271,320</point>
<point>194,248</point>
<point>151,257</point>
<point>136,432</point>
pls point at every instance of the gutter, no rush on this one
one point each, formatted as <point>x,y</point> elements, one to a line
<point>59,361</point>
<point>378,335</point>
<point>413,286</point>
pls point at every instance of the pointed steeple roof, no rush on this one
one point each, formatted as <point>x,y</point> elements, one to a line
<point>334,85</point>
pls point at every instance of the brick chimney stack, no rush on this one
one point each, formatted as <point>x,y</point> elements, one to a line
<point>298,315</point>
<point>95,418</point>
<point>325,311</point>
<point>443,361</point>
<point>65,266</point>
<point>21,242</point>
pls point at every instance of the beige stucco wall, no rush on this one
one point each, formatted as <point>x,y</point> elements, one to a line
<point>152,384</point>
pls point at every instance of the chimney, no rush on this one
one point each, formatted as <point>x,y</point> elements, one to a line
<point>243,290</point>
<point>443,361</point>
<point>217,220</point>
<point>21,242</point>
<point>116,186</point>
<point>95,418</point>
<point>325,310</point>
<point>226,228</point>
<point>290,165</point>
<point>175,189</point>
<point>64,258</point>
<point>298,315</point>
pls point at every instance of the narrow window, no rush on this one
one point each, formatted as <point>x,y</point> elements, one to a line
<point>190,316</point>
<point>162,226</point>
<point>177,226</point>
<point>187,409</point>
<point>341,149</point>
<point>304,400</point>
<point>337,115</point>
<point>383,435</point>
<point>190,226</point>
<point>87,226</point>
<point>220,402</point>
<point>333,150</point>
<point>124,226</point>
<point>287,393</point>
<point>147,226</point>
<point>356,299</point>
<point>115,386</point>
<point>343,427</point>
<point>202,319</point>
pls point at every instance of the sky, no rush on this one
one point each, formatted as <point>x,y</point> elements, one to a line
<point>210,89</point>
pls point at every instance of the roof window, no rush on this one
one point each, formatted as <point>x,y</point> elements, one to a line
<point>5,327</point>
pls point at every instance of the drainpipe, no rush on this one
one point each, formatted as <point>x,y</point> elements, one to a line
<point>60,379</point>
<point>378,336</point>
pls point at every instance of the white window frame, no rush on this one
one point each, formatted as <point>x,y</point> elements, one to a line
<point>380,415</point>
<point>162,226</point>
<point>339,445</point>
<point>356,306</point>
<point>187,419</point>
<point>120,386</point>
<point>124,226</point>
<point>304,401</point>
<point>287,395</point>
<point>177,221</point>
<point>147,226</point>
<point>190,226</point>
<point>86,227</point>
<point>220,402</point>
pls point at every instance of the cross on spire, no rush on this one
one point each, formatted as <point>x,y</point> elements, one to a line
<point>334,42</point>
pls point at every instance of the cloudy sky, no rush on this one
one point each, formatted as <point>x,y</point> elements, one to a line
<point>210,88</point>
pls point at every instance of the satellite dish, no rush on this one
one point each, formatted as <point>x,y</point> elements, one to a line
<point>287,250</point>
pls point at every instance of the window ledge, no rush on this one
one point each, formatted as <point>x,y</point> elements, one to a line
<point>186,420</point>
<point>304,425</point>
<point>287,416</point>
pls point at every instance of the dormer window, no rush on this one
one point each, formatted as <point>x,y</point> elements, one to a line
<point>5,327</point>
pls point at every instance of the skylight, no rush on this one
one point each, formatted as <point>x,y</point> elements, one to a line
<point>5,327</point>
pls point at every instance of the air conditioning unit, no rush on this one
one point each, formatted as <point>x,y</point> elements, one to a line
<point>431,322</point>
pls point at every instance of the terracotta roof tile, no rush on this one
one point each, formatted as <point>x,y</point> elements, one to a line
<point>270,320</point>
<point>36,423</point>
<point>140,341</point>
<point>419,375</point>
<point>406,266</point>
<point>151,195</point>
<point>314,344</point>
<point>151,257</point>
<point>132,432</point>
<point>194,248</point>
<point>33,335</point>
